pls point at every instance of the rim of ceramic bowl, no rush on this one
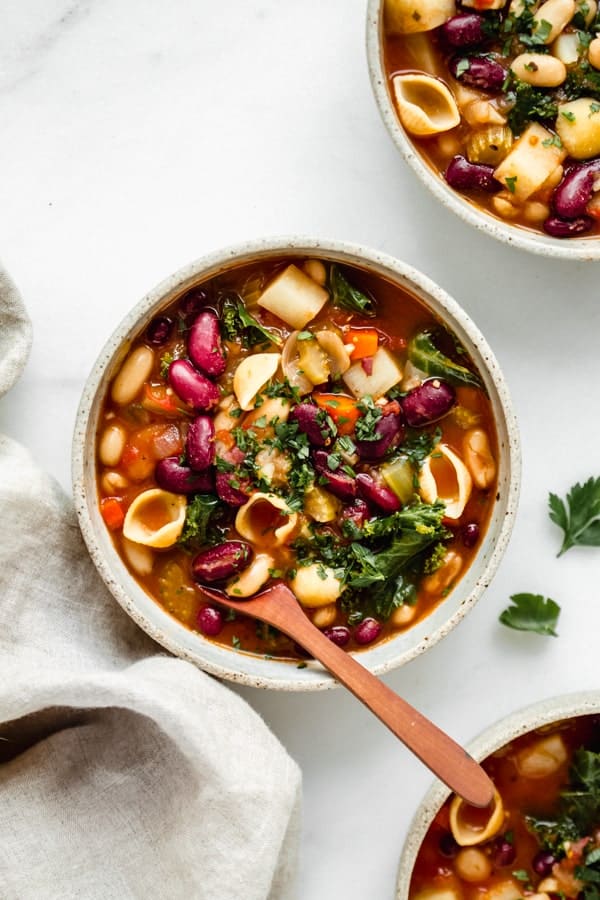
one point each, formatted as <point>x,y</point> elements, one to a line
<point>235,665</point>
<point>580,249</point>
<point>536,715</point>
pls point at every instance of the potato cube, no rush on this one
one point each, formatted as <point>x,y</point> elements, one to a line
<point>532,159</point>
<point>578,126</point>
<point>294,297</point>
<point>386,373</point>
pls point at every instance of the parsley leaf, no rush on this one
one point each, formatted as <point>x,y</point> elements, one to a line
<point>532,612</point>
<point>579,518</point>
<point>528,103</point>
<point>348,297</point>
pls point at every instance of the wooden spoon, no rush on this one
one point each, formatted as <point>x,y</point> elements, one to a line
<point>451,763</point>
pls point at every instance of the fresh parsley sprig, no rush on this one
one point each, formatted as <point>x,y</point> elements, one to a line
<point>532,612</point>
<point>579,517</point>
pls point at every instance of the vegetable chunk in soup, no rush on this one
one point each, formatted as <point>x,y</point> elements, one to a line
<point>300,421</point>
<point>502,99</point>
<point>542,839</point>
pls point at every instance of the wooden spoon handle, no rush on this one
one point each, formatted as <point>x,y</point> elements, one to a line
<point>450,762</point>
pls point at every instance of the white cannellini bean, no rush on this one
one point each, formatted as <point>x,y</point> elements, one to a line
<point>478,457</point>
<point>402,615</point>
<point>315,269</point>
<point>139,557</point>
<point>442,578</point>
<point>594,53</point>
<point>134,372</point>
<point>558,14</point>
<point>566,47</point>
<point>113,481</point>
<point>112,444</point>
<point>539,69</point>
<point>588,9</point>
<point>324,616</point>
<point>472,865</point>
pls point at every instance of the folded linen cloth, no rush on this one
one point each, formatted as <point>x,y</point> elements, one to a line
<point>124,773</point>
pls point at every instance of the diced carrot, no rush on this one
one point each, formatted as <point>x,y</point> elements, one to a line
<point>364,340</point>
<point>112,512</point>
<point>161,399</point>
<point>225,438</point>
<point>342,409</point>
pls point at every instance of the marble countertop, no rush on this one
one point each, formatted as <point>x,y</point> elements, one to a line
<point>138,136</point>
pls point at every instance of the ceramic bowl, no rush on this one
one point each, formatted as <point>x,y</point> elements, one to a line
<point>545,712</point>
<point>576,249</point>
<point>228,662</point>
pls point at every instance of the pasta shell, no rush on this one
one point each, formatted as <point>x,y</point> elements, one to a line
<point>252,374</point>
<point>337,355</point>
<point>456,501</point>
<point>265,520</point>
<point>251,579</point>
<point>425,104</point>
<point>468,832</point>
<point>155,518</point>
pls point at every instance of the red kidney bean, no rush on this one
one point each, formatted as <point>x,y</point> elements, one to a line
<point>227,492</point>
<point>378,494</point>
<point>170,476</point>
<point>390,431</point>
<point>191,304</point>
<point>338,634</point>
<point>470,534</point>
<point>358,512</point>
<point>428,402</point>
<point>482,73</point>
<point>200,443</point>
<point>563,228</point>
<point>571,197</point>
<point>542,863</point>
<point>192,386</point>
<point>463,30</point>
<point>210,621</point>
<point>221,562</point>
<point>204,344</point>
<point>159,331</point>
<point>447,845</point>
<point>368,631</point>
<point>340,484</point>
<point>465,176</point>
<point>504,852</point>
<point>312,422</point>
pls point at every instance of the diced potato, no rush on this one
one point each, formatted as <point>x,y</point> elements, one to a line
<point>386,373</point>
<point>294,297</point>
<point>578,126</point>
<point>503,890</point>
<point>543,758</point>
<point>320,505</point>
<point>566,47</point>
<point>532,159</point>
<point>409,16</point>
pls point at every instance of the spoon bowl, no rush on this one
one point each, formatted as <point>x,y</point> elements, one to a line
<point>450,762</point>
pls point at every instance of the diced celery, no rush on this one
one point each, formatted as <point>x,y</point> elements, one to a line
<point>399,476</point>
<point>313,361</point>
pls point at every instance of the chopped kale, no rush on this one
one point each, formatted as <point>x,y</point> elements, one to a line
<point>348,297</point>
<point>529,103</point>
<point>197,530</point>
<point>236,322</point>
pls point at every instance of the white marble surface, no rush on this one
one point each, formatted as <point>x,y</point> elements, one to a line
<point>138,135</point>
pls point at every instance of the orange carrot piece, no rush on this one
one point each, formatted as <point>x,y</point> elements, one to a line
<point>112,512</point>
<point>342,409</point>
<point>364,340</point>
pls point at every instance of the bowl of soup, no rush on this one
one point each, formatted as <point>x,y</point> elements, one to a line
<point>541,836</point>
<point>495,104</point>
<point>298,411</point>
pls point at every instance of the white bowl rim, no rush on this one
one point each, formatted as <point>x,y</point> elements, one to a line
<point>165,629</point>
<point>580,249</point>
<point>536,715</point>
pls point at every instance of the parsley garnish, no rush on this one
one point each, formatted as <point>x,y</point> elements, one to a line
<point>198,514</point>
<point>532,612</point>
<point>569,116</point>
<point>367,423</point>
<point>462,66</point>
<point>579,517</point>
<point>511,181</point>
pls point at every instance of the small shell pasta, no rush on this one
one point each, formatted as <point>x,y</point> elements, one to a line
<point>455,472</point>
<point>251,579</point>
<point>266,519</point>
<point>294,297</point>
<point>464,832</point>
<point>578,126</point>
<point>251,376</point>
<point>155,518</point>
<point>425,104</point>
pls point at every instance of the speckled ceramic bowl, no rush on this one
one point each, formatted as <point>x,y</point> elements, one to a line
<point>228,662</point>
<point>576,249</point>
<point>546,712</point>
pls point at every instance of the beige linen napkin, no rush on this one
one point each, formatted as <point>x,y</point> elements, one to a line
<point>124,773</point>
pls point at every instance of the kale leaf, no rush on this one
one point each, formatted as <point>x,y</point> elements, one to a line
<point>236,321</point>
<point>423,353</point>
<point>579,517</point>
<point>528,103</point>
<point>198,515</point>
<point>348,297</point>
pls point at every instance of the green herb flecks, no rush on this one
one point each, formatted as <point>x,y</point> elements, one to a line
<point>532,612</point>
<point>197,526</point>
<point>367,423</point>
<point>579,517</point>
<point>348,297</point>
<point>424,354</point>
<point>528,104</point>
